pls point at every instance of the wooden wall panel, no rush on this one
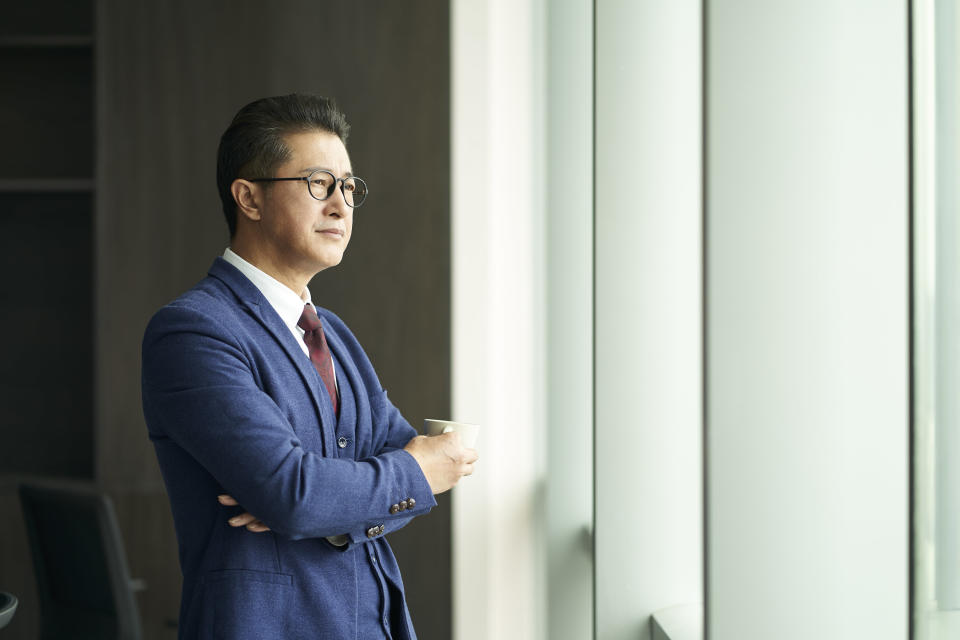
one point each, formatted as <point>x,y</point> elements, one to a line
<point>171,76</point>
<point>45,328</point>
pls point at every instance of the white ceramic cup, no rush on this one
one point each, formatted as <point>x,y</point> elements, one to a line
<point>468,432</point>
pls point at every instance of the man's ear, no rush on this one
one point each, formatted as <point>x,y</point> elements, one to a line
<point>248,198</point>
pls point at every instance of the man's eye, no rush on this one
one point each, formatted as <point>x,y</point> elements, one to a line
<point>349,185</point>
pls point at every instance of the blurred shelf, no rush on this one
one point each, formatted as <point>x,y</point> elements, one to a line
<point>46,185</point>
<point>45,41</point>
<point>48,104</point>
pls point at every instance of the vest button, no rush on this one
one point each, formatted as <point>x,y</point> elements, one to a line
<point>342,442</point>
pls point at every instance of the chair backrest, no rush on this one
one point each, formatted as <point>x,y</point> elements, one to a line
<point>82,578</point>
<point>8,606</point>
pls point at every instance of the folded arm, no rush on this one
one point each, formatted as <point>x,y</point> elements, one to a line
<point>199,390</point>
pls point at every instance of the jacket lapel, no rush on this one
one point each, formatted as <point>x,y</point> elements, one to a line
<point>255,304</point>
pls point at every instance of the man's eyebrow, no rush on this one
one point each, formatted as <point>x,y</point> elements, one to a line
<point>348,174</point>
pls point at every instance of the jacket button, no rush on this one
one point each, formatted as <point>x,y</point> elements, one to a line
<point>394,508</point>
<point>372,532</point>
<point>411,503</point>
<point>379,529</point>
<point>342,442</point>
<point>403,505</point>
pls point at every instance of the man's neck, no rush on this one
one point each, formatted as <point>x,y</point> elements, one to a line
<point>288,277</point>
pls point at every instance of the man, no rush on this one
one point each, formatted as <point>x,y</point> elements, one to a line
<point>255,397</point>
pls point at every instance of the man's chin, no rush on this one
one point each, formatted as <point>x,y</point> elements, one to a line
<point>329,261</point>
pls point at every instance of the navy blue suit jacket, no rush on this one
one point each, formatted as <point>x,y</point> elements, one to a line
<point>233,405</point>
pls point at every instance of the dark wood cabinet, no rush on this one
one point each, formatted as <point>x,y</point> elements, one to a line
<point>46,238</point>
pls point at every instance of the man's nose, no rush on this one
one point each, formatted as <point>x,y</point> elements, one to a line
<point>337,203</point>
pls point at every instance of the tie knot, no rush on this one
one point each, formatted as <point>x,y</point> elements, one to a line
<point>308,319</point>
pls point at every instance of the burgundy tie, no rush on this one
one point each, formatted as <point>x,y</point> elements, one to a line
<point>319,351</point>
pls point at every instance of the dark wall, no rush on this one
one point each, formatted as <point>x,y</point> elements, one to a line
<point>46,212</point>
<point>169,78</point>
<point>47,253</point>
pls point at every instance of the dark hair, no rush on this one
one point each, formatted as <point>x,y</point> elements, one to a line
<point>253,145</point>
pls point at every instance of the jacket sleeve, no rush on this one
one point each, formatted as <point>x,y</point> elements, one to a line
<point>397,432</point>
<point>200,391</point>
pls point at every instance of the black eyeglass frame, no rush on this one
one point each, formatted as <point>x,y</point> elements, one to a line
<point>333,185</point>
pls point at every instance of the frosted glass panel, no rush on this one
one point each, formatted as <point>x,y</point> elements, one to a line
<point>937,322</point>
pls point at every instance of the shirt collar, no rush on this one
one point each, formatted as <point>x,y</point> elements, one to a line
<point>287,304</point>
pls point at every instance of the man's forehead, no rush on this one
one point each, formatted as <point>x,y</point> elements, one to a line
<point>312,150</point>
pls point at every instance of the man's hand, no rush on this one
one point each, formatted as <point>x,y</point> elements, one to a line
<point>443,459</point>
<point>247,520</point>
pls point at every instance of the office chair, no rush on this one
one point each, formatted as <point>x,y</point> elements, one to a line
<point>83,583</point>
<point>8,607</point>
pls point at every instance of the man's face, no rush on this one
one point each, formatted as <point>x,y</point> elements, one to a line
<point>309,235</point>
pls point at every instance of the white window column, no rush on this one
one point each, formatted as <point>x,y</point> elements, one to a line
<point>807,319</point>
<point>498,330</point>
<point>648,487</point>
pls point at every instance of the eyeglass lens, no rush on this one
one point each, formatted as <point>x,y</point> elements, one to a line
<point>322,184</point>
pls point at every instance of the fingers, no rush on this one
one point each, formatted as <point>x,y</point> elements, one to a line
<point>466,458</point>
<point>468,454</point>
<point>242,520</point>
<point>249,521</point>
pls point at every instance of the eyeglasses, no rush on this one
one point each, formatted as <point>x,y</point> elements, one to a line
<point>321,184</point>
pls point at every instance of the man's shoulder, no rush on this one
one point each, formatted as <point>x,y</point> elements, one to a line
<point>207,301</point>
<point>210,292</point>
